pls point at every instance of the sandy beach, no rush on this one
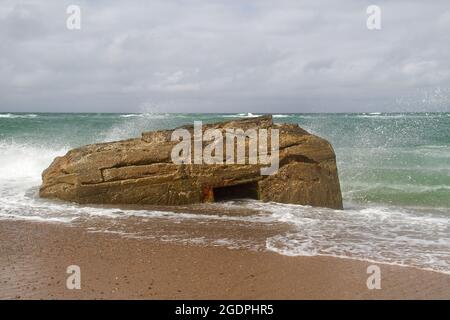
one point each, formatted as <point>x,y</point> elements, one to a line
<point>34,257</point>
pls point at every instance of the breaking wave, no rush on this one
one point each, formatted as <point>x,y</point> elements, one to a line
<point>17,116</point>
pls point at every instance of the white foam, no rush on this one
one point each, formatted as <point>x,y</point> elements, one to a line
<point>132,115</point>
<point>385,234</point>
<point>147,115</point>
<point>406,188</point>
<point>242,115</point>
<point>25,161</point>
<point>380,116</point>
<point>17,116</point>
<point>280,116</point>
<point>36,218</point>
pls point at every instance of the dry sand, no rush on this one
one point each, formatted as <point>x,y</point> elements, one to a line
<point>34,257</point>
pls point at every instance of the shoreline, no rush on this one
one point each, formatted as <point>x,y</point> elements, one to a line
<point>34,257</point>
<point>371,261</point>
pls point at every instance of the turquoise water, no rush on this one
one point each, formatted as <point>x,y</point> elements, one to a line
<point>394,171</point>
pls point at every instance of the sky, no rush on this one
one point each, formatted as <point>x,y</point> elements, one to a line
<point>220,56</point>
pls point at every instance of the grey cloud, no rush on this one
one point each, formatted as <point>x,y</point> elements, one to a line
<point>224,56</point>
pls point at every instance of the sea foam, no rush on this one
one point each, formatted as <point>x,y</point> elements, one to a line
<point>376,154</point>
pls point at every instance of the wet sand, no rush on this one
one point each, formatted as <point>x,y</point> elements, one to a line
<point>34,257</point>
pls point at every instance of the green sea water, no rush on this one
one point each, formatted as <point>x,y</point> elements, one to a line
<point>394,171</point>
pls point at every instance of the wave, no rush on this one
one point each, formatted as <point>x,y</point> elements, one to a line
<point>380,116</point>
<point>251,115</point>
<point>400,188</point>
<point>130,115</point>
<point>280,116</point>
<point>147,115</point>
<point>289,253</point>
<point>241,115</point>
<point>17,116</point>
<point>388,115</point>
<point>22,160</point>
<point>431,151</point>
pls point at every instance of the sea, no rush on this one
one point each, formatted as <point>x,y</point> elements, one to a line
<point>394,170</point>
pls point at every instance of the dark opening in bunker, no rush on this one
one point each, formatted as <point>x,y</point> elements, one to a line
<point>238,191</point>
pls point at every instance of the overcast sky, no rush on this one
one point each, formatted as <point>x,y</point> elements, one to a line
<point>224,56</point>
